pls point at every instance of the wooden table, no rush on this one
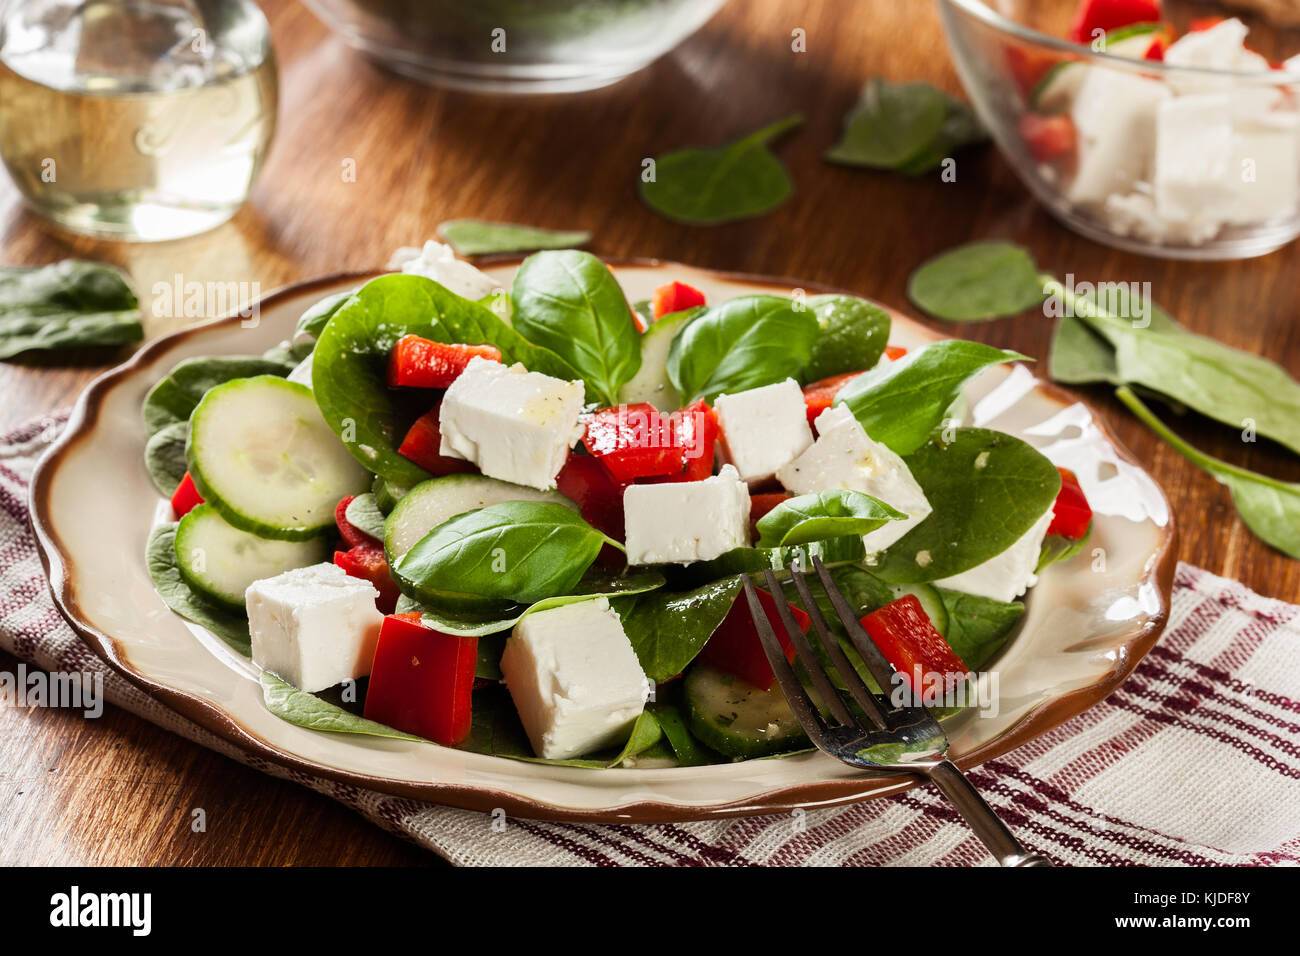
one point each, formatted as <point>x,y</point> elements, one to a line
<point>118,790</point>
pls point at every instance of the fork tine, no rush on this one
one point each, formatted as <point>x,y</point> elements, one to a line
<point>795,695</point>
<point>825,689</point>
<point>848,673</point>
<point>880,668</point>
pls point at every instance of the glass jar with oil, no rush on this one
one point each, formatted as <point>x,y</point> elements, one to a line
<point>135,119</point>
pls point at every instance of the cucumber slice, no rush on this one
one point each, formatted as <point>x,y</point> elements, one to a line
<point>261,454</point>
<point>651,384</point>
<point>220,561</point>
<point>737,719</point>
<point>931,603</point>
<point>387,494</point>
<point>846,549</point>
<point>1134,40</point>
<point>1055,92</point>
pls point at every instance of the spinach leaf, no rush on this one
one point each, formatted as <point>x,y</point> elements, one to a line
<point>890,125</point>
<point>314,319</point>
<point>743,343</point>
<point>475,237</point>
<point>352,354</point>
<point>516,551</point>
<point>900,404</point>
<point>987,489</point>
<point>1057,549</point>
<point>978,627</point>
<point>363,514</point>
<point>174,398</point>
<point>164,456</point>
<point>825,514</point>
<point>980,280</point>
<point>160,557</point>
<point>854,333</point>
<point>704,187</point>
<point>1080,356</point>
<point>846,549</point>
<point>685,748</point>
<point>1270,508</point>
<point>571,303</point>
<point>863,590</point>
<point>960,128</point>
<point>68,304</point>
<point>308,710</point>
<point>290,354</point>
<point>669,628</point>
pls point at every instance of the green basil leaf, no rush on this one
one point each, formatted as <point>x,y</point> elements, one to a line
<point>826,514</point>
<point>308,710</point>
<point>571,303</point>
<point>363,514</point>
<point>846,549</point>
<point>317,315</point>
<point>705,187</point>
<point>987,489</point>
<point>476,237</point>
<point>520,551</point>
<point>160,557</point>
<point>68,304</point>
<point>854,333</point>
<point>164,456</point>
<point>1270,508</point>
<point>978,627</point>
<point>173,399</point>
<point>980,280</point>
<point>668,629</point>
<point>900,404</point>
<point>743,343</point>
<point>890,125</point>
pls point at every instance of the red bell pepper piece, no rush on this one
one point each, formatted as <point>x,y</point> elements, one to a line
<point>367,562</point>
<point>420,363</point>
<point>1048,137</point>
<point>421,680</point>
<point>1201,24</point>
<point>421,446</point>
<point>760,505</point>
<point>820,395</point>
<point>598,494</point>
<point>894,352</point>
<point>674,297</point>
<point>1071,514</point>
<point>911,643</point>
<point>735,646</point>
<point>186,497</point>
<point>1107,15</point>
<point>695,432</point>
<point>350,533</point>
<point>633,441</point>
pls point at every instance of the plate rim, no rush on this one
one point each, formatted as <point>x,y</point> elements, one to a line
<point>1159,569</point>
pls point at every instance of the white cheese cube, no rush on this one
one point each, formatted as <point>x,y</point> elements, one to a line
<point>1222,48</point>
<point>1267,169</point>
<point>1114,114</point>
<point>438,262</point>
<point>513,424</point>
<point>314,627</point>
<point>684,521</point>
<point>1008,575</point>
<point>844,457</point>
<point>1194,178</point>
<point>763,428</point>
<point>574,678</point>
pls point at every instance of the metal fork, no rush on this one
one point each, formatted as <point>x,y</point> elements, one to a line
<point>906,739</point>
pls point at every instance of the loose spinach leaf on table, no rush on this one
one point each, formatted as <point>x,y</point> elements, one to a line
<point>570,303</point>
<point>987,489</point>
<point>890,124</point>
<point>743,343</point>
<point>164,456</point>
<point>960,128</point>
<point>68,304</point>
<point>476,237</point>
<point>978,627</point>
<point>669,628</point>
<point>853,336</point>
<point>825,514</point>
<point>308,710</point>
<point>980,280</point>
<point>738,180</point>
<point>1270,508</point>
<point>900,404</point>
<point>160,557</point>
<point>173,399</point>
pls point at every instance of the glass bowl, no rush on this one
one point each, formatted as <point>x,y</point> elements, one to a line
<point>1193,157</point>
<point>515,46</point>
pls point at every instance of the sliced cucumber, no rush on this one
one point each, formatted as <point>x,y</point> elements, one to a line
<point>651,384</point>
<point>1055,92</point>
<point>931,603</point>
<point>261,454</point>
<point>846,549</point>
<point>220,561</point>
<point>737,719</point>
<point>1134,40</point>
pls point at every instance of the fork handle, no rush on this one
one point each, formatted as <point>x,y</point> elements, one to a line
<point>981,818</point>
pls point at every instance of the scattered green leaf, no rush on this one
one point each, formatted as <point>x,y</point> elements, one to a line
<point>475,237</point>
<point>980,280</point>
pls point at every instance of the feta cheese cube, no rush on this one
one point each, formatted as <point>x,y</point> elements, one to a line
<point>1266,167</point>
<point>845,457</point>
<point>1194,178</point>
<point>1114,114</point>
<point>438,262</point>
<point>1222,48</point>
<point>684,521</point>
<point>314,627</point>
<point>764,428</point>
<point>1008,575</point>
<point>513,424</point>
<point>574,678</point>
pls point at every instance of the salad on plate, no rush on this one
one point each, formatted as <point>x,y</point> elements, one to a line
<point>514,521</point>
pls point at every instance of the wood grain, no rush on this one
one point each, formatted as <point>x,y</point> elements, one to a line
<point>118,790</point>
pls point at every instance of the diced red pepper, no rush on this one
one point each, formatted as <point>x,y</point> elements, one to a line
<point>1201,24</point>
<point>911,643</point>
<point>350,533</point>
<point>1156,51</point>
<point>695,433</point>
<point>1106,15</point>
<point>633,441</point>
<point>421,681</point>
<point>674,297</point>
<point>367,562</point>
<point>1048,137</point>
<point>760,505</point>
<point>1071,514</point>
<point>421,445</point>
<point>820,395</point>
<point>419,363</point>
<point>186,497</point>
<point>894,352</point>
<point>736,648</point>
<point>598,494</point>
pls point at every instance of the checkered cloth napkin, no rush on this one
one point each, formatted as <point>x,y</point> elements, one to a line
<point>1194,760</point>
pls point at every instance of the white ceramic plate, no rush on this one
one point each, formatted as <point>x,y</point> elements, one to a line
<point>1088,621</point>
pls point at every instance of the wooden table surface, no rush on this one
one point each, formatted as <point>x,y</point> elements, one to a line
<point>118,790</point>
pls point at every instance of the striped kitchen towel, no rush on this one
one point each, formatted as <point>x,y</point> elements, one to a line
<point>1194,760</point>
